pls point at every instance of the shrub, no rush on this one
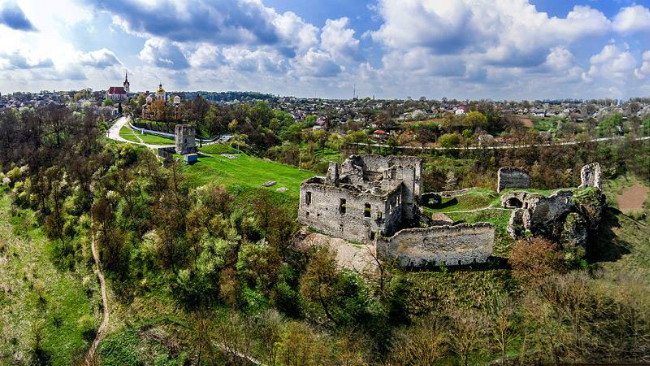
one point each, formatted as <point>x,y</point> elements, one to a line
<point>533,260</point>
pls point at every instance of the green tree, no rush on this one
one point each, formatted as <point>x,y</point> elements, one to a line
<point>611,124</point>
<point>449,140</point>
<point>476,120</point>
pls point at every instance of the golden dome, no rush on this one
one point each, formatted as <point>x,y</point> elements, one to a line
<point>160,89</point>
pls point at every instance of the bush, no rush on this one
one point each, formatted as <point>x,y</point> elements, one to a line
<point>449,140</point>
<point>533,260</point>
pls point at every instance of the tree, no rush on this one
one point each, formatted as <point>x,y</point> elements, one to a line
<point>611,124</point>
<point>502,320</point>
<point>533,260</point>
<point>423,343</point>
<point>468,328</point>
<point>449,140</point>
<point>318,284</point>
<point>476,120</point>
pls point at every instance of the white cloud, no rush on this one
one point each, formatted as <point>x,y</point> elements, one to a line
<point>611,64</point>
<point>501,30</point>
<point>643,71</point>
<point>163,53</point>
<point>99,59</point>
<point>559,59</point>
<point>632,19</point>
<point>338,39</point>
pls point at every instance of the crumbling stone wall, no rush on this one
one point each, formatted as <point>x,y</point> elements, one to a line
<point>591,176</point>
<point>566,216</point>
<point>512,178</point>
<point>514,200</point>
<point>185,139</point>
<point>358,216</point>
<point>539,214</point>
<point>387,172</point>
<point>452,245</point>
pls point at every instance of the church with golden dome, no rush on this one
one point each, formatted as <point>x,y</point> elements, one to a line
<point>156,102</point>
<point>161,94</point>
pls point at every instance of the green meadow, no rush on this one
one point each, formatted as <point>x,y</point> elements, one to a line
<point>247,171</point>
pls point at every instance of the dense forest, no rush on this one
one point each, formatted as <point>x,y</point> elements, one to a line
<point>212,275</point>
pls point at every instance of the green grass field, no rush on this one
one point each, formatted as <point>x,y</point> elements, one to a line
<point>130,135</point>
<point>248,171</point>
<point>37,299</point>
<point>217,149</point>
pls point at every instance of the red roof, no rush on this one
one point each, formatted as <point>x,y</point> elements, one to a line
<point>116,90</point>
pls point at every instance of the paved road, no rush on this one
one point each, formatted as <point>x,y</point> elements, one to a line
<point>499,147</point>
<point>114,134</point>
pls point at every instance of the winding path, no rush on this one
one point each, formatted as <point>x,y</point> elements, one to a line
<point>102,283</point>
<point>114,134</point>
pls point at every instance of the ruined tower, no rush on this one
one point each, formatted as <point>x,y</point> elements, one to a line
<point>185,139</point>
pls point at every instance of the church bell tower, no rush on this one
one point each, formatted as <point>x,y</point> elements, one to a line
<point>126,82</point>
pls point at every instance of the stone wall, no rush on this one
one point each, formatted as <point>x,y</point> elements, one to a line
<point>513,178</point>
<point>590,176</point>
<point>452,245</point>
<point>387,172</point>
<point>347,214</point>
<point>185,139</point>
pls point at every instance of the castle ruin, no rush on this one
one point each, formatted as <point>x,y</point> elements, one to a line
<point>374,200</point>
<point>185,139</point>
<point>590,176</point>
<point>512,178</point>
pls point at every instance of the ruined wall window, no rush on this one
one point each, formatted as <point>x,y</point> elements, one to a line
<point>379,215</point>
<point>342,206</point>
<point>308,198</point>
<point>367,210</point>
<point>372,235</point>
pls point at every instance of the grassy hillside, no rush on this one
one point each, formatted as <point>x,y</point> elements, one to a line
<point>46,312</point>
<point>248,171</point>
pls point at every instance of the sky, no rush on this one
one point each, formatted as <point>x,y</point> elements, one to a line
<point>464,49</point>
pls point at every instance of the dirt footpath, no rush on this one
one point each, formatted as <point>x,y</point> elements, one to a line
<point>632,199</point>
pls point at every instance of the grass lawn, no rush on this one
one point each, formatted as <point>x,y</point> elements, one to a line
<point>38,298</point>
<point>475,199</point>
<point>130,135</point>
<point>217,149</point>
<point>247,171</point>
<point>156,140</point>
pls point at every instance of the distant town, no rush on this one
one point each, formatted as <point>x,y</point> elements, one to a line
<point>380,118</point>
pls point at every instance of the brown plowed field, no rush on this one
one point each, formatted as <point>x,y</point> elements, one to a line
<point>632,199</point>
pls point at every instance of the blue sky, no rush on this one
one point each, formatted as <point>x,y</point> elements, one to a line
<point>494,49</point>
